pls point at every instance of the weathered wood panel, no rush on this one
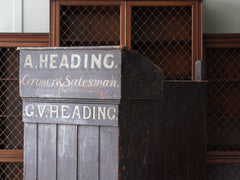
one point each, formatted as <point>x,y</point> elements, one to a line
<point>186,130</point>
<point>30,151</point>
<point>73,73</point>
<point>67,152</point>
<point>47,152</point>
<point>88,152</point>
<point>109,153</point>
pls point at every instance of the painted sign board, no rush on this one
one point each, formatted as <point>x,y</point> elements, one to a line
<point>70,73</point>
<point>70,113</point>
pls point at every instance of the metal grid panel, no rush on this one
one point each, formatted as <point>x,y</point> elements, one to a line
<point>11,171</point>
<point>164,36</point>
<point>11,127</point>
<point>89,25</point>
<point>223,70</point>
<point>223,171</point>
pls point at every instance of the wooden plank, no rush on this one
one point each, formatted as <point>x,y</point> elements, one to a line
<point>11,155</point>
<point>109,153</point>
<point>67,152</point>
<point>30,151</point>
<point>46,152</point>
<point>223,157</point>
<point>88,149</point>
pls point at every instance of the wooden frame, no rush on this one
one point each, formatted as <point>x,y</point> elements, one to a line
<point>20,40</point>
<point>55,17</point>
<point>220,40</point>
<point>197,52</point>
<point>125,20</point>
<point>223,157</point>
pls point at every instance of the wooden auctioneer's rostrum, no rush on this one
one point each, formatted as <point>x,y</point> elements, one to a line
<point>97,113</point>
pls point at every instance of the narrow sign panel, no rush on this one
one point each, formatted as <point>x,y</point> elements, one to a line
<point>67,113</point>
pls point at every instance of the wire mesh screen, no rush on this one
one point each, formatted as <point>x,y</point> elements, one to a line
<point>11,171</point>
<point>223,71</point>
<point>11,127</point>
<point>89,25</point>
<point>223,171</point>
<point>164,36</point>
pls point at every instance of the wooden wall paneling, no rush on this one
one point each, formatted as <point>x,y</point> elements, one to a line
<point>108,153</point>
<point>30,151</point>
<point>53,25</point>
<point>128,24</point>
<point>88,152</point>
<point>67,152</point>
<point>123,24</point>
<point>24,39</point>
<point>47,150</point>
<point>11,155</point>
<point>223,157</point>
<point>226,40</point>
<point>186,136</point>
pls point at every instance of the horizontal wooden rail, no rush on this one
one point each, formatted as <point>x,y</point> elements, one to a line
<point>11,155</point>
<point>223,157</point>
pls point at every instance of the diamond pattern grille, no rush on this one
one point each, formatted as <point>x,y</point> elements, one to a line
<point>164,36</point>
<point>11,127</point>
<point>11,171</point>
<point>223,71</point>
<point>89,25</point>
<point>223,171</point>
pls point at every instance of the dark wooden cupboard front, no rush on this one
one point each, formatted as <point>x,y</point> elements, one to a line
<point>169,33</point>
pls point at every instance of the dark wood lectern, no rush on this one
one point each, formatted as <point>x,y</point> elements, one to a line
<point>106,113</point>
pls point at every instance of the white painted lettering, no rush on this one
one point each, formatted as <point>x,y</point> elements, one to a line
<point>86,115</point>
<point>53,61</point>
<point>76,112</point>
<point>107,62</point>
<point>28,62</point>
<point>64,62</point>
<point>53,111</point>
<point>65,109</point>
<point>94,112</point>
<point>113,116</point>
<point>29,114</point>
<point>41,110</point>
<point>75,61</point>
<point>85,61</point>
<point>43,61</point>
<point>96,61</point>
<point>101,111</point>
